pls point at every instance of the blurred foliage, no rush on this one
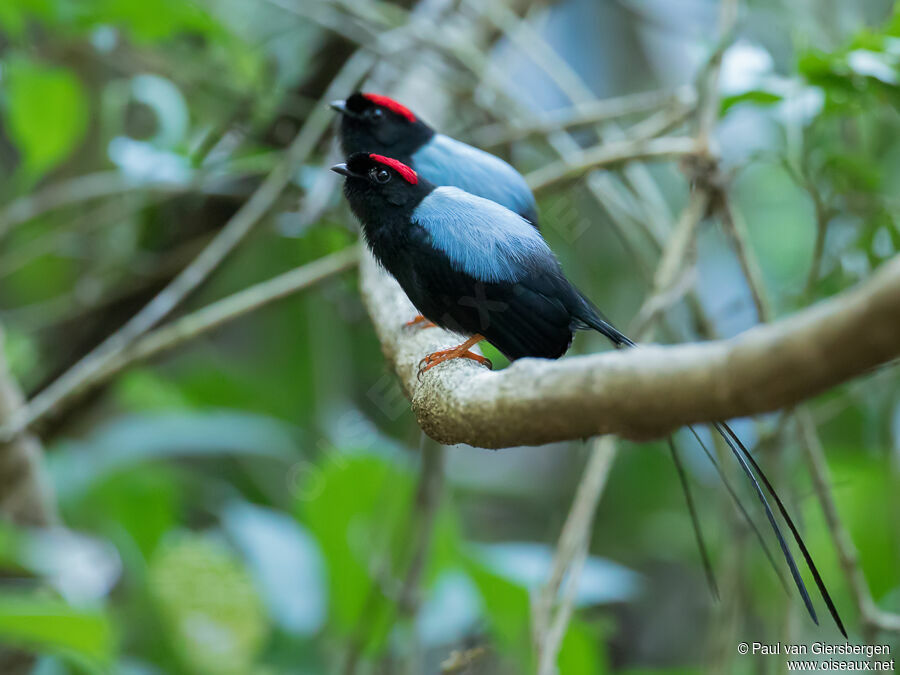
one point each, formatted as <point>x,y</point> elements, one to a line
<point>247,504</point>
<point>35,95</point>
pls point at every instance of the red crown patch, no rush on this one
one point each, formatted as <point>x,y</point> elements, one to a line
<point>405,172</point>
<point>391,105</point>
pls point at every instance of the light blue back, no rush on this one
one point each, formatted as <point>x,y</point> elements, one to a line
<point>485,240</point>
<point>445,161</point>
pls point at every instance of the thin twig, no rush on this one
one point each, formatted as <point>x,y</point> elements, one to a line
<point>734,224</point>
<point>709,95</point>
<point>666,278</point>
<point>90,187</point>
<point>26,497</point>
<point>424,514</point>
<point>609,154</point>
<point>676,261</point>
<point>823,218</point>
<point>582,114</point>
<point>147,271</point>
<point>460,661</point>
<point>873,619</point>
<point>197,323</point>
<point>571,552</point>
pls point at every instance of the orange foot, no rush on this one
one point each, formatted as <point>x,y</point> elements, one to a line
<point>419,319</point>
<point>460,352</point>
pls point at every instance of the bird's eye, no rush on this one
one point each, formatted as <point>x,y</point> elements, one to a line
<point>380,175</point>
<point>375,114</point>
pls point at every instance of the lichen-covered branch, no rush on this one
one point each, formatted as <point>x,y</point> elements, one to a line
<point>639,393</point>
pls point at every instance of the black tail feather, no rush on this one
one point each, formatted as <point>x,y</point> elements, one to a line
<point>695,520</point>
<point>743,511</point>
<point>594,320</point>
<point>723,428</point>
<point>788,556</point>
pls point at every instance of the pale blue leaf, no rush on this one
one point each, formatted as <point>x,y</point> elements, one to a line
<point>528,564</point>
<point>286,564</point>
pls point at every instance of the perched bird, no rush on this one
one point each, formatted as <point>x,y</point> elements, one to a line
<point>375,123</point>
<point>476,268</point>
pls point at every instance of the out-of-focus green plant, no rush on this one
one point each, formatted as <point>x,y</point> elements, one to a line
<point>252,497</point>
<point>46,113</point>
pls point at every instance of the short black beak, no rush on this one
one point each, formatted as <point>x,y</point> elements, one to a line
<point>344,171</point>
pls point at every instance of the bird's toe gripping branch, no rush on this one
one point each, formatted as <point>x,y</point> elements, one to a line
<point>420,320</point>
<point>458,352</point>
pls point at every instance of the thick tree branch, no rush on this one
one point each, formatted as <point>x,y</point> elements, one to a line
<point>638,393</point>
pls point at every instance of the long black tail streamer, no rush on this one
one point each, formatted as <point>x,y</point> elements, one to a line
<point>695,520</point>
<point>727,432</point>
<point>743,511</point>
<point>745,459</point>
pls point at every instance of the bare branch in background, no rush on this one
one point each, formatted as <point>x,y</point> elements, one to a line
<point>872,618</point>
<point>583,114</point>
<point>201,321</point>
<point>423,517</point>
<point>674,265</point>
<point>609,154</point>
<point>571,552</point>
<point>460,661</point>
<point>25,494</point>
<point>734,224</point>
<point>89,187</point>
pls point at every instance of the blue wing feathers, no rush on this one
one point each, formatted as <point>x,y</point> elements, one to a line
<point>481,238</point>
<point>446,161</point>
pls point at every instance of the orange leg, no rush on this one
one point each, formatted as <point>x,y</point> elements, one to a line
<point>460,352</point>
<point>419,319</point>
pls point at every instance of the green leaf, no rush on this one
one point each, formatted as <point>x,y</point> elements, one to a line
<point>46,113</point>
<point>142,501</point>
<point>20,351</point>
<point>154,20</point>
<point>509,610</point>
<point>45,623</point>
<point>143,390</point>
<point>208,605</point>
<point>14,16</point>
<point>756,96</point>
<point>349,504</point>
<point>582,651</point>
<point>134,439</point>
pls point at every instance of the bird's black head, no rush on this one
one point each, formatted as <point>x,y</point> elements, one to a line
<point>381,189</point>
<point>375,123</point>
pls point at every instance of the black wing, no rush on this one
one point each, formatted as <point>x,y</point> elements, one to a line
<point>528,317</point>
